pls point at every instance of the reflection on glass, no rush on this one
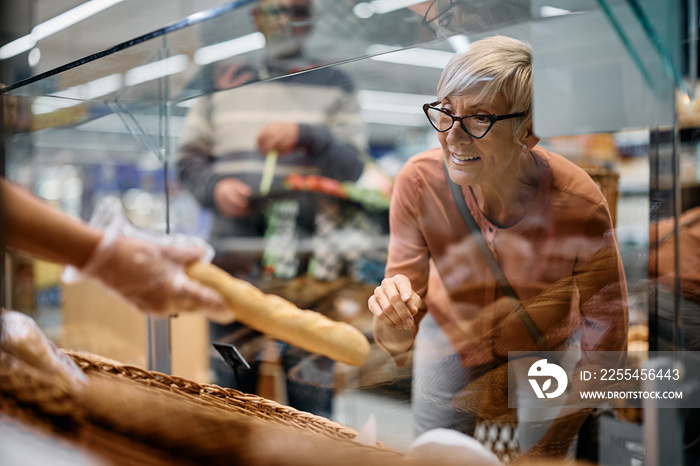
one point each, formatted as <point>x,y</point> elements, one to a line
<point>309,231</point>
<point>320,237</point>
<point>447,17</point>
<point>496,245</point>
<point>682,296</point>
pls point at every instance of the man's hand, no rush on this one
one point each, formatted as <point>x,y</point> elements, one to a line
<point>283,137</point>
<point>231,197</point>
<point>394,303</point>
<point>233,75</point>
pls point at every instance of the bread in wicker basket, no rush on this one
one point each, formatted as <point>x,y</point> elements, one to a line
<point>127,415</point>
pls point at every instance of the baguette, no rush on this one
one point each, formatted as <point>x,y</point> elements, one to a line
<point>280,319</point>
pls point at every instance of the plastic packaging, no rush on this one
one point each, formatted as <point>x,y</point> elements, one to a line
<point>21,337</point>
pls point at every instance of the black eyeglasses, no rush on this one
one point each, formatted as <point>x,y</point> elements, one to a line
<point>438,11</point>
<point>297,12</point>
<point>475,126</point>
<point>443,17</point>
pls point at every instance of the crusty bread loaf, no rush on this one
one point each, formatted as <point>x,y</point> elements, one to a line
<point>638,332</point>
<point>282,320</point>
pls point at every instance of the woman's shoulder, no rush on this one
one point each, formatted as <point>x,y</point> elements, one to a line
<point>568,178</point>
<point>419,171</point>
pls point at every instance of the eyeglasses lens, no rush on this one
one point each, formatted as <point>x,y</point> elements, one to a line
<point>476,126</point>
<point>296,12</point>
<point>436,9</point>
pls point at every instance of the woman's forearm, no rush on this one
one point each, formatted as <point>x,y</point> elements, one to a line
<point>393,341</point>
<point>42,231</point>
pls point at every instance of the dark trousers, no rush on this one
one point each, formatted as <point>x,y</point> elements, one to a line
<point>308,377</point>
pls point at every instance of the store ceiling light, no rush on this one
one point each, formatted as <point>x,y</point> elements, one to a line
<point>549,11</point>
<point>414,57</point>
<point>393,108</point>
<point>459,42</point>
<point>34,56</point>
<point>44,104</point>
<point>71,17</point>
<point>365,10</point>
<point>393,118</point>
<point>96,88</point>
<point>53,25</point>
<point>155,70</point>
<point>370,99</point>
<point>17,46</point>
<point>230,48</point>
<point>77,94</point>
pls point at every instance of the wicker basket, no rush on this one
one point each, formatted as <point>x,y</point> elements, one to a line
<point>213,396</point>
<point>127,415</point>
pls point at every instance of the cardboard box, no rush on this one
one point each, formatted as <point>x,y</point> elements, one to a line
<point>100,322</point>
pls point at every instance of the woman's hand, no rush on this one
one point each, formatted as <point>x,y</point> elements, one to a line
<point>394,303</point>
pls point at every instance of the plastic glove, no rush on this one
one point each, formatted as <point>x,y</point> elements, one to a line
<point>147,269</point>
<point>151,276</point>
<point>21,337</point>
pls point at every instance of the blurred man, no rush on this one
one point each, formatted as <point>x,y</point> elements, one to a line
<point>312,122</point>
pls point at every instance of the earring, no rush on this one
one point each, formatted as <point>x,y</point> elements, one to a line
<point>524,146</point>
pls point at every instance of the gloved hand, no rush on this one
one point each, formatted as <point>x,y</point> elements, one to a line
<point>21,337</point>
<point>151,276</point>
<point>147,269</point>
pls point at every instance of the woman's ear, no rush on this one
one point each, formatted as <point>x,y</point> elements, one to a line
<point>529,139</point>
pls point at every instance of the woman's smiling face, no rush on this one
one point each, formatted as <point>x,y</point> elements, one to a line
<point>491,159</point>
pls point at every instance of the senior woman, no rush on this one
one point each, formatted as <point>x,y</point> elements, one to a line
<point>538,218</point>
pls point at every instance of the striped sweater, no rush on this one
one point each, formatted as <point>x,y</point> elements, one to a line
<point>219,139</point>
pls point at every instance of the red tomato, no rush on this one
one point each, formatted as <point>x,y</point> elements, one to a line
<point>294,182</point>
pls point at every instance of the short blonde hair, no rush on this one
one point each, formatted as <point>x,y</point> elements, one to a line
<point>493,67</point>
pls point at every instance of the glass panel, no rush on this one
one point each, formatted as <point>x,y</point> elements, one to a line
<point>615,86</point>
<point>185,51</point>
<point>74,158</point>
<point>165,121</point>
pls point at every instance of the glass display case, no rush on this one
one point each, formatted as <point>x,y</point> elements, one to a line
<point>614,92</point>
